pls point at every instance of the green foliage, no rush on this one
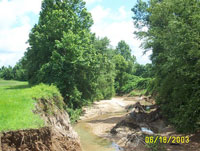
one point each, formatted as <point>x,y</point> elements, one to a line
<point>73,71</point>
<point>74,114</point>
<point>173,35</point>
<point>156,146</point>
<point>129,74</point>
<point>135,83</point>
<point>58,21</point>
<point>124,62</point>
<point>106,72</point>
<point>17,73</point>
<point>121,67</point>
<point>6,73</point>
<point>144,71</point>
<point>141,15</point>
<point>143,83</point>
<point>65,53</point>
<point>124,50</point>
<point>62,51</point>
<point>50,93</point>
<point>137,92</point>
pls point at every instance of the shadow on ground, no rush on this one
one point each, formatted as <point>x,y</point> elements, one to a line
<point>25,86</point>
<point>111,120</point>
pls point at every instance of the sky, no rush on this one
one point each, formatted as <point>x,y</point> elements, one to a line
<point>112,18</point>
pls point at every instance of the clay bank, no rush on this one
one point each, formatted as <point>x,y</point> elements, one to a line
<point>56,135</point>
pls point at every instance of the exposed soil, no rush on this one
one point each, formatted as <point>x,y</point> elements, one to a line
<point>58,135</point>
<point>36,140</point>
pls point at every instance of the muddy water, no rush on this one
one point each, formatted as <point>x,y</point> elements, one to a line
<point>92,142</point>
<point>98,120</point>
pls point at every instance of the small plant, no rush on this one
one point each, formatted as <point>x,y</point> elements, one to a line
<point>74,114</point>
<point>155,146</point>
<point>137,92</point>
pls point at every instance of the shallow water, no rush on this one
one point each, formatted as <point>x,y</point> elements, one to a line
<point>146,130</point>
<point>91,142</point>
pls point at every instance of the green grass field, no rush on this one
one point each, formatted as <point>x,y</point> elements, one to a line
<point>16,106</point>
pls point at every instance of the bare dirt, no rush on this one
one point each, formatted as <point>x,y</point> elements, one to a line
<point>57,135</point>
<point>36,140</point>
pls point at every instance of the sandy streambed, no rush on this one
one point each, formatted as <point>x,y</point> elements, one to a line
<point>107,126</point>
<point>97,121</point>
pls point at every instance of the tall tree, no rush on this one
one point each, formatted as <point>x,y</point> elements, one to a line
<point>124,63</point>
<point>61,51</point>
<point>106,70</point>
<point>57,18</point>
<point>124,50</point>
<point>173,35</point>
<point>19,70</point>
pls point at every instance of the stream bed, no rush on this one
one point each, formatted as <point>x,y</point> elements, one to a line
<point>97,121</point>
<point>90,141</point>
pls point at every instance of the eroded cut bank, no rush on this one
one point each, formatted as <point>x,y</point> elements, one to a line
<point>56,134</point>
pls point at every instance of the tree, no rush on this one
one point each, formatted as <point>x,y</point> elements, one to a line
<point>124,64</point>
<point>173,35</point>
<point>61,51</point>
<point>19,71</point>
<point>6,73</point>
<point>124,50</point>
<point>106,70</point>
<point>57,18</point>
<point>145,71</point>
<point>121,69</point>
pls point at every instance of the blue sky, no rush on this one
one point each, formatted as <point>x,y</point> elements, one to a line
<point>112,18</point>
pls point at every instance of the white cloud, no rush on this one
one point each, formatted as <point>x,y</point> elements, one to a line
<point>99,13</point>
<point>122,11</point>
<point>10,11</point>
<point>9,58</point>
<point>15,27</point>
<point>118,26</point>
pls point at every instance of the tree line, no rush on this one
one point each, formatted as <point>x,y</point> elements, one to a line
<point>173,34</point>
<point>63,51</point>
<point>18,72</point>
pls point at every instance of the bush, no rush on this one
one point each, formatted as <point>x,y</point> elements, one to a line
<point>50,93</point>
<point>74,114</point>
<point>137,92</point>
<point>136,83</point>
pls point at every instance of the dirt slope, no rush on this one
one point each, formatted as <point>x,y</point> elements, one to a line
<point>58,135</point>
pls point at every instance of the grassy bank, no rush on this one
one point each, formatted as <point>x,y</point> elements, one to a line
<point>17,104</point>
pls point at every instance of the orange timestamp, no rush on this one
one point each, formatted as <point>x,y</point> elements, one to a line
<point>167,140</point>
